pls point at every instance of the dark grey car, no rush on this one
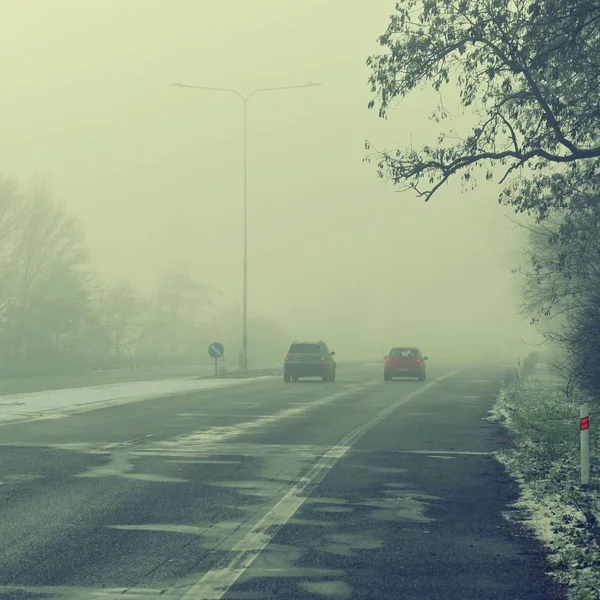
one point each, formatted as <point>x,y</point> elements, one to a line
<point>309,359</point>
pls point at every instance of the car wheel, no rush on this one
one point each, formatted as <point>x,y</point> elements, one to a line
<point>287,378</point>
<point>332,378</point>
<point>422,377</point>
<point>295,379</point>
<point>387,377</point>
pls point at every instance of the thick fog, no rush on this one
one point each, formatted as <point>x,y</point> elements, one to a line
<point>155,173</point>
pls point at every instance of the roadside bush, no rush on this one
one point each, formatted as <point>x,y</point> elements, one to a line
<point>529,364</point>
<point>543,423</point>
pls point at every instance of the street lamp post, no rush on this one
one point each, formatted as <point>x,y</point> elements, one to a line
<point>244,99</point>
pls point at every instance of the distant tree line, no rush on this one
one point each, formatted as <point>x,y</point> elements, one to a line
<point>57,315</point>
<point>527,71</point>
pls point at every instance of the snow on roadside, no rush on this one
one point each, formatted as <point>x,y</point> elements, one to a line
<point>56,403</point>
<point>544,460</point>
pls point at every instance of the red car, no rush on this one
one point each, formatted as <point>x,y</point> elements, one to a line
<point>405,361</point>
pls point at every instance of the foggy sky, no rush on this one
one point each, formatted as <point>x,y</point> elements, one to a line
<point>155,173</point>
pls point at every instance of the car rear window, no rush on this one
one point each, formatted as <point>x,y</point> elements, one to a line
<point>405,352</point>
<point>305,349</point>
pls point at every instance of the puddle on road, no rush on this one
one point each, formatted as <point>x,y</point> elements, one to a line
<point>260,488</point>
<point>23,477</point>
<point>120,465</point>
<point>398,505</point>
<point>342,544</point>
<point>281,561</point>
<point>210,535</point>
<point>311,523</point>
<point>318,500</point>
<point>163,528</point>
<point>155,478</point>
<point>197,461</point>
<point>373,468</point>
<point>339,590</point>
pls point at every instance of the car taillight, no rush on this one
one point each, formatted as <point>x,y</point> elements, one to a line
<point>418,361</point>
<point>287,357</point>
<point>322,358</point>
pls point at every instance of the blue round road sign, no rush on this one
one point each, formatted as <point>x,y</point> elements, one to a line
<point>216,350</point>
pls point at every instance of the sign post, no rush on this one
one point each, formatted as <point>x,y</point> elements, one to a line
<point>216,351</point>
<point>584,439</point>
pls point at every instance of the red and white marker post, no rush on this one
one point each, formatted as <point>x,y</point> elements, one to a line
<point>584,439</point>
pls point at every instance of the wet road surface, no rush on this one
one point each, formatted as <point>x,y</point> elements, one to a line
<point>357,489</point>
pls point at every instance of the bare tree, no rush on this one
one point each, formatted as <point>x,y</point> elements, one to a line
<point>270,340</point>
<point>561,291</point>
<point>9,219</point>
<point>528,70</point>
<point>180,313</point>
<point>563,258</point>
<point>122,313</point>
<point>48,249</point>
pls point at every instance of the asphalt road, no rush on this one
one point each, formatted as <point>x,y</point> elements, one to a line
<point>20,385</point>
<point>355,489</point>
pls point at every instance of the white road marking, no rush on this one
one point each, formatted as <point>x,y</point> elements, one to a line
<point>166,528</point>
<point>186,446</point>
<point>216,582</point>
<point>75,409</point>
<point>218,434</point>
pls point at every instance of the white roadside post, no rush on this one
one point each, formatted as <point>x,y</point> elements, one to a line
<point>584,438</point>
